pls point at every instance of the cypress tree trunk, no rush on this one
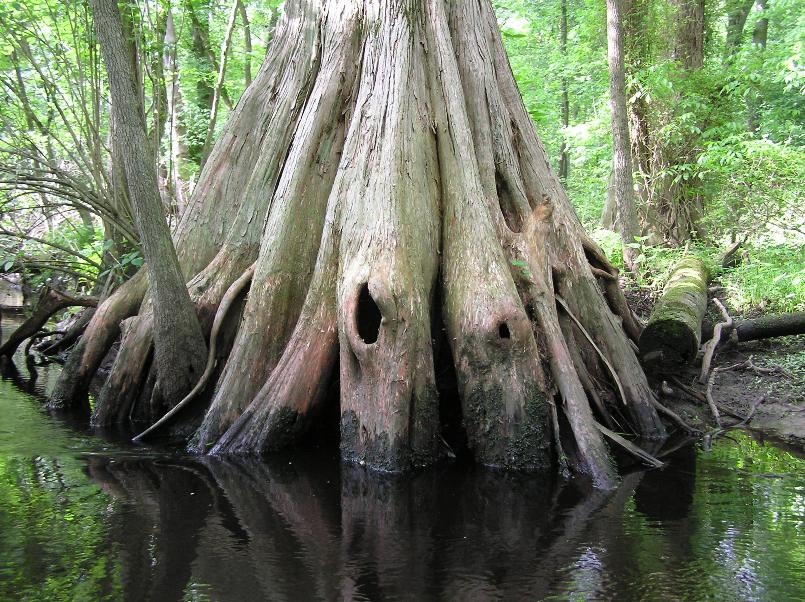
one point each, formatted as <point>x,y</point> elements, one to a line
<point>386,178</point>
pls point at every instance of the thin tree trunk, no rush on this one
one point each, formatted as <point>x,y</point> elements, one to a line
<point>759,35</point>
<point>176,130</point>
<point>247,43</point>
<point>219,81</point>
<point>565,101</point>
<point>736,20</point>
<point>622,160</point>
<point>179,345</point>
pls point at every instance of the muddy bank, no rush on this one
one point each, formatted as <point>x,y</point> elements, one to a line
<point>743,382</point>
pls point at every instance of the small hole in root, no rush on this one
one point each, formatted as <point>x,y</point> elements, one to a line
<point>503,331</point>
<point>368,317</point>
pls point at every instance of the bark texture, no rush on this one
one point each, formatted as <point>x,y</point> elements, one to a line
<point>765,327</point>
<point>626,219</point>
<point>385,183</point>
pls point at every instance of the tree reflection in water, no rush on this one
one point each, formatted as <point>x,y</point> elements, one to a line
<point>85,519</point>
<point>311,529</point>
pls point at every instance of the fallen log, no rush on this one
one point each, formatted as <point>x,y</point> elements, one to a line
<point>765,327</point>
<point>730,259</point>
<point>50,301</point>
<point>671,337</point>
<point>755,329</point>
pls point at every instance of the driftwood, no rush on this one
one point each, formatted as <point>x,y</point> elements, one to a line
<point>50,301</point>
<point>671,337</point>
<point>712,344</point>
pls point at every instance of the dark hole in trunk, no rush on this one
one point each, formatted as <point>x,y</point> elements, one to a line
<point>503,331</point>
<point>368,316</point>
<point>556,276</point>
<point>451,417</point>
<point>324,431</point>
<point>507,204</point>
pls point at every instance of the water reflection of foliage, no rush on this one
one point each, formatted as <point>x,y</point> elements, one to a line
<point>53,542</point>
<point>744,537</point>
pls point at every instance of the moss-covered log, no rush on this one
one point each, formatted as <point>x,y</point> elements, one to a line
<point>672,336</point>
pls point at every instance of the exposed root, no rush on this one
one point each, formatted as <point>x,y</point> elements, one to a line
<point>50,301</point>
<point>104,328</point>
<point>594,454</point>
<point>712,344</point>
<point>561,458</point>
<point>226,303</point>
<point>41,335</point>
<point>710,401</point>
<point>116,402</point>
<point>69,338</point>
<point>280,410</point>
<point>673,416</point>
<point>596,347</point>
<point>630,447</point>
<point>584,375</point>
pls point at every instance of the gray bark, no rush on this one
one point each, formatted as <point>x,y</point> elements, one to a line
<point>623,183</point>
<point>689,33</point>
<point>380,196</point>
<point>738,11</point>
<point>759,35</point>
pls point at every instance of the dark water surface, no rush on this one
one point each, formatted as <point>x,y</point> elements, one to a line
<point>82,518</point>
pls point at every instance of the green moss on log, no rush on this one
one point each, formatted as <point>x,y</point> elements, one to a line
<point>673,334</point>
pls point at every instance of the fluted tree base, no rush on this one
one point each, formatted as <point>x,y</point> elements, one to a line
<point>405,186</point>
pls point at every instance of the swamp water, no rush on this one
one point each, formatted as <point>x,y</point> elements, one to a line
<point>86,518</point>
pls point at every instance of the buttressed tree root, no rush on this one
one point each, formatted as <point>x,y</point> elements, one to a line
<point>397,185</point>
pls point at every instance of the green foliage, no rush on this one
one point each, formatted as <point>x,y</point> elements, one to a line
<point>739,182</point>
<point>758,184</point>
<point>771,278</point>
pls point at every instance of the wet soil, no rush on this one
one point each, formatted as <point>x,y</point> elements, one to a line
<point>778,398</point>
